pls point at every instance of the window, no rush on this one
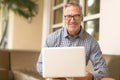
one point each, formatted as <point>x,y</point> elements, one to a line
<point>58,13</point>
<point>57,2</point>
<point>92,7</point>
<point>92,27</point>
<point>54,29</point>
<point>91,19</point>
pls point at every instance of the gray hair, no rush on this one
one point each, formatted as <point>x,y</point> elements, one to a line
<point>73,3</point>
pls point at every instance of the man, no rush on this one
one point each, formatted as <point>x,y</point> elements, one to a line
<point>72,34</point>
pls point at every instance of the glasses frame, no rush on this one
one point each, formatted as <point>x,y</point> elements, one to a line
<point>75,17</point>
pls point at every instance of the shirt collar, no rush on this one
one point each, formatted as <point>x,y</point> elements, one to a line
<point>80,35</point>
<point>65,34</point>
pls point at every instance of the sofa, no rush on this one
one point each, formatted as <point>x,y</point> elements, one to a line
<point>21,65</point>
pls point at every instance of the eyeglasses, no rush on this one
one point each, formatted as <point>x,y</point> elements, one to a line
<point>69,17</point>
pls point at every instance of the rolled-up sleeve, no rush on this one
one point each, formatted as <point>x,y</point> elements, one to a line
<point>99,63</point>
<point>39,64</point>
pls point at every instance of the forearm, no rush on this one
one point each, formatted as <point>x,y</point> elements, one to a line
<point>39,68</point>
<point>39,65</point>
<point>99,63</point>
<point>56,79</point>
<point>100,73</point>
<point>89,76</point>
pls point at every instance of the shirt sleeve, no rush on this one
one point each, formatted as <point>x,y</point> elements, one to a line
<point>99,64</point>
<point>39,64</point>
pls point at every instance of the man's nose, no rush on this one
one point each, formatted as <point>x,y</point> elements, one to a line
<point>72,18</point>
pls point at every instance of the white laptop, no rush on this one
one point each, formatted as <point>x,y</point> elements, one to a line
<point>63,62</point>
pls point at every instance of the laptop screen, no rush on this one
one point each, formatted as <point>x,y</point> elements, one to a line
<point>64,62</point>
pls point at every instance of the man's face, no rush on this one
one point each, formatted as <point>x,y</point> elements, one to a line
<point>73,18</point>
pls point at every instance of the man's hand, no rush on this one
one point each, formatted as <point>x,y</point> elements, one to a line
<point>88,76</point>
<point>59,78</point>
<point>56,79</point>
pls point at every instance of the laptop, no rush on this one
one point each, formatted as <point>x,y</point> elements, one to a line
<point>63,62</point>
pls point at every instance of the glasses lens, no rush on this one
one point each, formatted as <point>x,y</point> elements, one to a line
<point>69,17</point>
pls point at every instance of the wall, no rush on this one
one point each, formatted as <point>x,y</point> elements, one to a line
<point>109,26</point>
<point>25,35</point>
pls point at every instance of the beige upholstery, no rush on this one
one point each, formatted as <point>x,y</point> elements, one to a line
<point>4,65</point>
<point>18,65</point>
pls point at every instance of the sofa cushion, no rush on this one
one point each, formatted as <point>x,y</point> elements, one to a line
<point>4,59</point>
<point>26,75</point>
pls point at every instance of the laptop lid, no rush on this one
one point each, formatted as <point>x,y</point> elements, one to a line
<point>64,62</point>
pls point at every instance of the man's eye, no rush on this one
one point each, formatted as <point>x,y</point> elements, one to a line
<point>68,16</point>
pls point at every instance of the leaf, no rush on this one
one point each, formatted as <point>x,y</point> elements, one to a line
<point>25,8</point>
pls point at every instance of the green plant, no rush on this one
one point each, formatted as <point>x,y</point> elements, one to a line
<point>24,8</point>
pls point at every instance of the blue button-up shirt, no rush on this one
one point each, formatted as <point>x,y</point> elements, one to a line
<point>61,38</point>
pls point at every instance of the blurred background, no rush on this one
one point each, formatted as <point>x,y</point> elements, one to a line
<point>25,24</point>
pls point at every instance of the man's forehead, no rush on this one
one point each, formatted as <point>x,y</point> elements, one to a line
<point>72,9</point>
